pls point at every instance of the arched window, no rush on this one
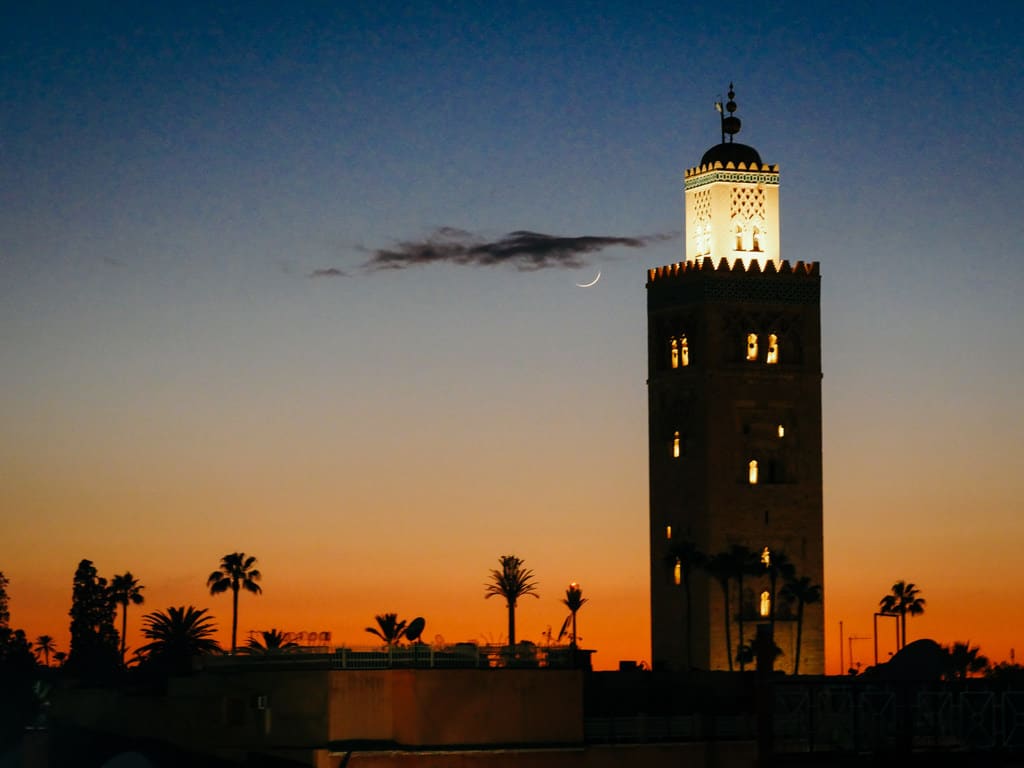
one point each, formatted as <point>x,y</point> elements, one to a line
<point>684,351</point>
<point>782,431</point>
<point>675,352</point>
<point>752,472</point>
<point>675,446</point>
<point>739,238</point>
<point>751,346</point>
<point>668,531</point>
<point>766,603</point>
<point>757,239</point>
<point>773,349</point>
<point>766,557</point>
<point>677,573</point>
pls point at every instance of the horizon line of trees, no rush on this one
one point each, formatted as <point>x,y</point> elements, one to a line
<point>179,633</point>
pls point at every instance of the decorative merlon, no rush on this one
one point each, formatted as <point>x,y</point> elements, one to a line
<point>706,265</point>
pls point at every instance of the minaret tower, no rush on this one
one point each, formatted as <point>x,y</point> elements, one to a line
<point>734,423</point>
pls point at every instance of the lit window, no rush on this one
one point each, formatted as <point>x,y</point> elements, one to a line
<point>757,239</point>
<point>668,531</point>
<point>773,349</point>
<point>675,446</point>
<point>751,346</point>
<point>675,352</point>
<point>677,573</point>
<point>752,472</point>
<point>684,351</point>
<point>782,431</point>
<point>766,557</point>
<point>739,238</point>
<point>766,603</point>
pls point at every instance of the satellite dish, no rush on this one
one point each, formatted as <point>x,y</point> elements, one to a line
<point>412,634</point>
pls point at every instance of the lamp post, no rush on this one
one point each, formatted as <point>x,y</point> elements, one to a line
<point>574,599</point>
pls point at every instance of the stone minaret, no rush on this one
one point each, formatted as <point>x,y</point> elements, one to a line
<point>734,412</point>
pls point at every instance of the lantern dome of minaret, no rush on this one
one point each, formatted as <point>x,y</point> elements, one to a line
<point>731,152</point>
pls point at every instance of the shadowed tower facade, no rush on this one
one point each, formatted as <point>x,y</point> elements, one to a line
<point>734,420</point>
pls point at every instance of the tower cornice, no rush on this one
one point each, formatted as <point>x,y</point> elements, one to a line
<point>707,267</point>
<point>730,172</point>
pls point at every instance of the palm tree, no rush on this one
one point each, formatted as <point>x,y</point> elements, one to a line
<point>178,635</point>
<point>511,582</point>
<point>273,642</point>
<point>236,572</point>
<point>804,593</point>
<point>573,600</point>
<point>744,562</point>
<point>778,566</point>
<point>125,589</point>
<point>964,660</point>
<point>686,556</point>
<point>45,645</point>
<point>720,568</point>
<point>903,599</point>
<point>389,628</point>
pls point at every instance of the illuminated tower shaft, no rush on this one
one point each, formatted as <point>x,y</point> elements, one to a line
<point>734,407</point>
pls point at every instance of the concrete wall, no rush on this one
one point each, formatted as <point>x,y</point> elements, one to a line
<point>468,706</point>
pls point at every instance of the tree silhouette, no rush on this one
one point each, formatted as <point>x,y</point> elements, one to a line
<point>236,572</point>
<point>5,601</point>
<point>684,553</point>
<point>511,582</point>
<point>45,645</point>
<point>573,600</point>
<point>176,637</point>
<point>389,628</point>
<point>902,600</point>
<point>94,640</point>
<point>273,642</point>
<point>779,567</point>
<point>743,562</point>
<point>125,589</point>
<point>963,660</point>
<point>720,568</point>
<point>803,592</point>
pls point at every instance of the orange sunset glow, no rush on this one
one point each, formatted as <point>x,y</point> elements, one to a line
<point>322,290</point>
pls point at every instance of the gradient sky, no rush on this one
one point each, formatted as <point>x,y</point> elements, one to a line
<point>175,384</point>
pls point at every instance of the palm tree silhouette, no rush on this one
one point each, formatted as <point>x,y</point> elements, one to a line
<point>778,567</point>
<point>963,659</point>
<point>684,553</point>
<point>720,568</point>
<point>573,600</point>
<point>125,589</point>
<point>178,635</point>
<point>273,642</point>
<point>803,592</point>
<point>511,582</point>
<point>45,645</point>
<point>236,572</point>
<point>744,562</point>
<point>389,628</point>
<point>903,599</point>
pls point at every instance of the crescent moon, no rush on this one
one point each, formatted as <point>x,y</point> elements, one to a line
<point>591,283</point>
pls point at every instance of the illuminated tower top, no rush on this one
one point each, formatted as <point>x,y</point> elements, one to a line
<point>732,201</point>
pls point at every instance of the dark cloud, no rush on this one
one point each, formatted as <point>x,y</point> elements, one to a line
<point>526,251</point>
<point>329,272</point>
